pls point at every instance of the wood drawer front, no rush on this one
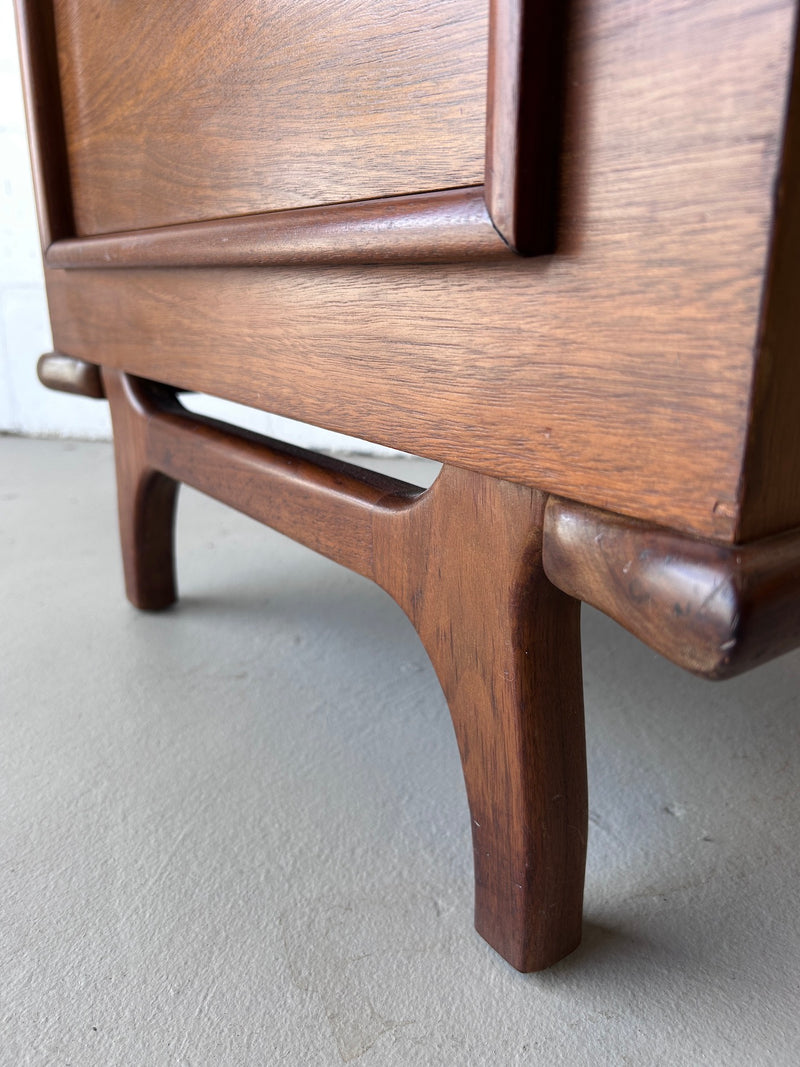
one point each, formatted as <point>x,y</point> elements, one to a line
<point>203,109</point>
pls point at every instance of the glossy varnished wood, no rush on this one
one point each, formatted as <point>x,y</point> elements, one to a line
<point>318,501</point>
<point>648,365</point>
<point>449,226</point>
<point>617,372</point>
<point>714,609</point>
<point>515,209</point>
<point>205,108</point>
<point>464,560</point>
<point>66,374</point>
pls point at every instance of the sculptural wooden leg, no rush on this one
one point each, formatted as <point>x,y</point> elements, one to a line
<point>506,646</point>
<point>146,501</point>
<point>464,559</point>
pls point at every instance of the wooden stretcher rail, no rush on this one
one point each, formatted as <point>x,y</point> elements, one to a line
<point>714,609</point>
<point>463,559</point>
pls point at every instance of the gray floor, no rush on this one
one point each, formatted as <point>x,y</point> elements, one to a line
<point>235,833</point>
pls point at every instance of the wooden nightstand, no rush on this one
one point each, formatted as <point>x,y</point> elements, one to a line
<point>553,246</point>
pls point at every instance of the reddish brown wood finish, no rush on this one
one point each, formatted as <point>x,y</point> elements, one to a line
<point>464,560</point>
<point>428,228</point>
<point>68,375</point>
<point>649,367</point>
<point>320,502</point>
<point>517,209</point>
<point>524,122</point>
<point>205,108</point>
<point>716,610</point>
<point>618,372</point>
<point>465,564</point>
<point>147,498</point>
<point>481,566</point>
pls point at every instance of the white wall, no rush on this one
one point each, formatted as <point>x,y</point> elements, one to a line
<point>25,406</point>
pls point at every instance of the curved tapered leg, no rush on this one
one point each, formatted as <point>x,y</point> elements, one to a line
<point>506,646</point>
<point>464,559</point>
<point>146,500</point>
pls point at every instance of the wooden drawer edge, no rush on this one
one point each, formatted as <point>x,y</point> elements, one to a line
<point>440,227</point>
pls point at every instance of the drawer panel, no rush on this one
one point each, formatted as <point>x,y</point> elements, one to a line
<point>204,109</point>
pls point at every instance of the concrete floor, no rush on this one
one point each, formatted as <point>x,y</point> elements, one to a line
<point>235,833</point>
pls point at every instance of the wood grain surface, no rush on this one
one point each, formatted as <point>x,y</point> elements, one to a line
<point>717,610</point>
<point>617,372</point>
<point>526,49</point>
<point>205,108</point>
<point>319,501</point>
<point>465,563</point>
<point>463,559</point>
<point>449,226</point>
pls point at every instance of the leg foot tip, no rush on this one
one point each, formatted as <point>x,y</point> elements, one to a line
<point>526,956</point>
